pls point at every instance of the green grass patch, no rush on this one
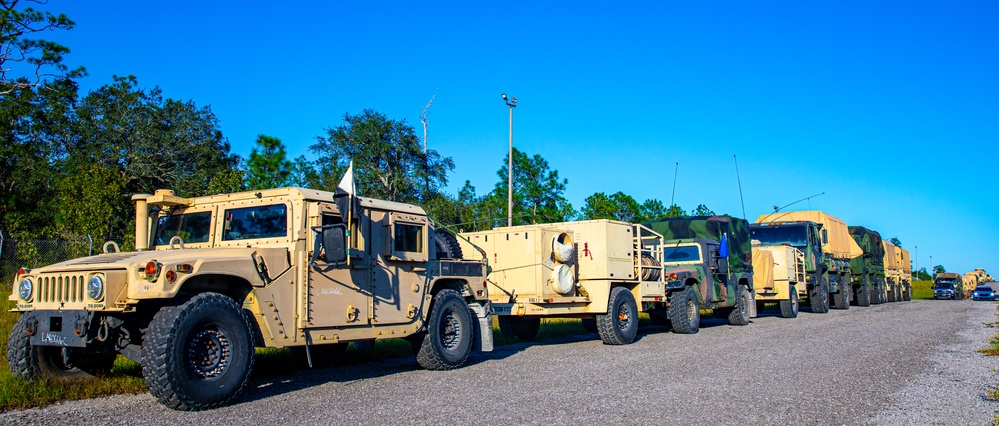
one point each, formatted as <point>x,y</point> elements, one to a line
<point>922,290</point>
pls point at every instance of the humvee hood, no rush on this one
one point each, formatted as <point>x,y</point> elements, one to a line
<point>128,259</point>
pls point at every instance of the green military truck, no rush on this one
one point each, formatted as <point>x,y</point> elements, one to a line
<point>868,270</point>
<point>708,264</point>
<point>213,277</point>
<point>828,248</point>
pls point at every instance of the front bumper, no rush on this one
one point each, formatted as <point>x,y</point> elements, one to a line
<point>59,328</point>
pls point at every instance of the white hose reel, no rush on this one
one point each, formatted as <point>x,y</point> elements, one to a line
<point>563,280</point>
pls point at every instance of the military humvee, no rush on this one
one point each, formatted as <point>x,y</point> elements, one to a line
<point>213,277</point>
<point>707,264</point>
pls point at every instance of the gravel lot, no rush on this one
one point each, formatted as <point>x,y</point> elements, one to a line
<point>900,363</point>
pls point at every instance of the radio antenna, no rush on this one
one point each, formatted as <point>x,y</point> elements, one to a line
<point>672,197</point>
<point>777,209</point>
<point>738,179</point>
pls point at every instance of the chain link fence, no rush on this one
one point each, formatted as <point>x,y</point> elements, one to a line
<point>33,253</point>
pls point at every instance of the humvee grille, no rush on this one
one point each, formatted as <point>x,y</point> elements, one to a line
<point>61,288</point>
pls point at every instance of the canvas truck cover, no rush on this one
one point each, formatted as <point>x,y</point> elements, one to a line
<point>891,257</point>
<point>870,242</point>
<point>840,245</point>
<point>763,269</point>
<point>906,261</point>
<point>740,258</point>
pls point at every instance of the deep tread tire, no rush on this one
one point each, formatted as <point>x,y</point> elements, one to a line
<point>863,296</point>
<point>740,312</point>
<point>525,328</point>
<point>685,311</point>
<point>447,244</point>
<point>841,299</point>
<point>589,324</point>
<point>818,297</point>
<point>789,308</point>
<point>208,322</point>
<point>907,293</point>
<point>619,325</point>
<point>29,362</point>
<point>449,333</point>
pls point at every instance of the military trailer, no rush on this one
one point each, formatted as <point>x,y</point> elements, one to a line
<point>906,262</point>
<point>893,272</point>
<point>868,270</point>
<point>708,264</point>
<point>602,271</point>
<point>828,248</point>
<point>948,285</point>
<point>969,282</point>
<point>213,277</point>
<point>779,276</point>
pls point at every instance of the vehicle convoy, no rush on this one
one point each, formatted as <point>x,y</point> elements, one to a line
<point>828,248</point>
<point>602,271</point>
<point>708,264</point>
<point>948,285</point>
<point>868,270</point>
<point>213,277</point>
<point>779,276</point>
<point>977,278</point>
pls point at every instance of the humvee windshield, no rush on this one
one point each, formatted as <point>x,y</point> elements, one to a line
<point>794,235</point>
<point>682,254</point>
<point>190,227</point>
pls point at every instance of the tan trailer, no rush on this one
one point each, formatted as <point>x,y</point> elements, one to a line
<point>893,272</point>
<point>779,276</point>
<point>600,270</point>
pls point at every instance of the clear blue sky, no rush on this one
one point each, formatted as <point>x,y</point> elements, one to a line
<point>890,108</point>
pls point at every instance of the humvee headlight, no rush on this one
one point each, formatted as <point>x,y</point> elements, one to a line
<point>95,287</point>
<point>24,290</point>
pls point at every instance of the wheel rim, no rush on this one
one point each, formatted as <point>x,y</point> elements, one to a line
<point>794,302</point>
<point>623,316</point>
<point>209,353</point>
<point>691,311</point>
<point>450,331</point>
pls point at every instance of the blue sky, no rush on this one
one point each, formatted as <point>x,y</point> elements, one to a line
<point>890,108</point>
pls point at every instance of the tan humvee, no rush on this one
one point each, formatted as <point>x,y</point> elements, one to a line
<point>600,270</point>
<point>779,276</point>
<point>215,276</point>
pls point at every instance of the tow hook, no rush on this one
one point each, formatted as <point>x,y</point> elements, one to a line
<point>80,327</point>
<point>31,326</point>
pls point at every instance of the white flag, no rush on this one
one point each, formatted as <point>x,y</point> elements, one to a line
<point>346,185</point>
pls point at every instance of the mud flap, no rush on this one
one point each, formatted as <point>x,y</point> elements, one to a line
<point>483,327</point>
<point>752,306</point>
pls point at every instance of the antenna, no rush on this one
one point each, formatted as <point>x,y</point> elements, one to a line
<point>777,209</point>
<point>672,197</point>
<point>742,200</point>
<point>423,119</point>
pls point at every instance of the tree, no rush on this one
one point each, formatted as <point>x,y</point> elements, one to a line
<point>537,192</point>
<point>26,62</point>
<point>653,209</point>
<point>388,160</point>
<point>675,211</point>
<point>81,214</point>
<point>923,275</point>
<point>896,242</point>
<point>268,167</point>
<point>618,206</point>
<point>702,210</point>
<point>939,269</point>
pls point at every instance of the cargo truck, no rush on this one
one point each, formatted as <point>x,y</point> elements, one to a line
<point>893,272</point>
<point>602,271</point>
<point>868,270</point>
<point>828,249</point>
<point>906,274</point>
<point>779,276</point>
<point>707,261</point>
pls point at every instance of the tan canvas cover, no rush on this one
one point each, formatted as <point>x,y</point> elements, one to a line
<point>906,261</point>
<point>841,244</point>
<point>891,258</point>
<point>763,269</point>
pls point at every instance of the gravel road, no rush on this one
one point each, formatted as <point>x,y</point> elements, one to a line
<point>899,363</point>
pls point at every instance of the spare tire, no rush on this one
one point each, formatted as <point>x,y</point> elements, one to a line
<point>447,244</point>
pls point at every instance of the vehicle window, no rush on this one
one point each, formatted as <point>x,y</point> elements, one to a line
<point>682,254</point>
<point>190,227</point>
<point>794,235</point>
<point>408,238</point>
<point>256,222</point>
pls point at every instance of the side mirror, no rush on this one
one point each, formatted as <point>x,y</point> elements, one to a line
<point>335,244</point>
<point>825,236</point>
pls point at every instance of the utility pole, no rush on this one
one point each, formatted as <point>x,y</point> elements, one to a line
<point>512,103</point>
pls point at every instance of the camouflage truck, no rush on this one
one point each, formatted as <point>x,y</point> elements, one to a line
<point>708,264</point>
<point>779,276</point>
<point>868,270</point>
<point>602,271</point>
<point>948,285</point>
<point>893,272</point>
<point>213,277</point>
<point>828,247</point>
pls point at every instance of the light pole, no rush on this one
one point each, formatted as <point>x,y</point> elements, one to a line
<point>916,268</point>
<point>932,272</point>
<point>512,103</point>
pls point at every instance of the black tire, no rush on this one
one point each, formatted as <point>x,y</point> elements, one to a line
<point>323,356</point>
<point>619,325</point>
<point>62,364</point>
<point>818,297</point>
<point>525,328</point>
<point>890,295</point>
<point>841,299</point>
<point>447,244</point>
<point>789,308</point>
<point>685,311</point>
<point>740,312</point>
<point>210,327</point>
<point>589,324</point>
<point>907,293</point>
<point>449,333</point>
<point>863,296</point>
<point>416,341</point>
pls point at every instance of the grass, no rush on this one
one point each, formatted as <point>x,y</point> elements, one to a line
<point>922,290</point>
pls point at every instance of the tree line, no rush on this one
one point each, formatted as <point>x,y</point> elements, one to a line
<point>70,161</point>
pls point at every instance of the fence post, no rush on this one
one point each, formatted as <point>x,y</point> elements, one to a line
<point>91,252</point>
<point>1,248</point>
